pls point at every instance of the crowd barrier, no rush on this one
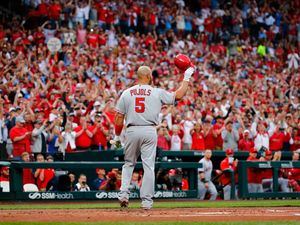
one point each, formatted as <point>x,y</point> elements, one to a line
<point>16,186</point>
<point>275,166</point>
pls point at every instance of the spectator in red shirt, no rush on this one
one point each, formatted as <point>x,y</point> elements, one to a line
<point>28,177</point>
<point>163,138</point>
<point>20,137</point>
<point>209,135</point>
<point>197,137</point>
<point>83,135</point>
<point>99,133</point>
<point>276,140</point>
<point>93,39</point>
<point>245,144</point>
<point>254,178</point>
<point>43,176</point>
<point>217,128</point>
<point>229,163</point>
<point>296,139</point>
<point>54,10</point>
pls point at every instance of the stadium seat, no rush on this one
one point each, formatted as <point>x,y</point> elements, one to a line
<point>30,188</point>
<point>4,185</point>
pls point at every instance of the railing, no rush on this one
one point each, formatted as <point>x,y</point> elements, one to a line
<point>16,185</point>
<point>275,166</point>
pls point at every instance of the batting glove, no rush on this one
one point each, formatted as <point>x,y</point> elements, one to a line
<point>188,73</point>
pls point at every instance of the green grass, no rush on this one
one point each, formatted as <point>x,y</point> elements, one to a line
<point>158,223</point>
<point>157,204</point>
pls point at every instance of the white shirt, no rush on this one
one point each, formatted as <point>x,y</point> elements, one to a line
<point>187,126</point>
<point>175,143</point>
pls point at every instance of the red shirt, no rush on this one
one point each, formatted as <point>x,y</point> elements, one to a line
<point>210,141</point>
<point>2,178</point>
<point>254,174</point>
<point>54,11</point>
<point>225,178</point>
<point>19,146</point>
<point>162,142</point>
<point>218,139</point>
<point>48,175</point>
<point>245,145</point>
<point>198,141</point>
<point>276,141</point>
<point>82,141</point>
<point>99,137</point>
<point>295,145</point>
<point>28,177</point>
<point>92,40</point>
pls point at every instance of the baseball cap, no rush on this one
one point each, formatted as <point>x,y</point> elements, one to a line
<point>246,131</point>
<point>97,103</point>
<point>12,109</point>
<point>229,151</point>
<point>253,150</point>
<point>18,108</point>
<point>20,95</point>
<point>36,110</point>
<point>20,119</point>
<point>71,114</point>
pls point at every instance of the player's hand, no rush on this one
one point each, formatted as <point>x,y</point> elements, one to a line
<point>116,142</point>
<point>188,73</point>
<point>206,185</point>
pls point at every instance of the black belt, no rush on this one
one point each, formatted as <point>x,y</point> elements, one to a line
<point>144,125</point>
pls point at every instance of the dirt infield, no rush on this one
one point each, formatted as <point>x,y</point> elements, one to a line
<point>138,215</point>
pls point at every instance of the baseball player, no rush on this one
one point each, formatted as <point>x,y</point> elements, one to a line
<point>205,184</point>
<point>140,106</point>
<point>254,174</point>
<point>228,164</point>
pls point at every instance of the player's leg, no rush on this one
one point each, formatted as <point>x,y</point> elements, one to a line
<point>251,188</point>
<point>148,154</point>
<point>284,184</point>
<point>212,190</point>
<point>201,190</point>
<point>226,192</point>
<point>132,151</point>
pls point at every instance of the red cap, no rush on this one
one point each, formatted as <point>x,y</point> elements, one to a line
<point>229,151</point>
<point>268,152</point>
<point>253,150</point>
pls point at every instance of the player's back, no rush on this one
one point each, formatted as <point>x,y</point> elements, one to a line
<point>142,104</point>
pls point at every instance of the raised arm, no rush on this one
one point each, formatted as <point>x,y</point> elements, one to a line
<point>181,91</point>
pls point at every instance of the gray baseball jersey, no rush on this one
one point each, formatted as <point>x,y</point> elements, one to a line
<point>206,169</point>
<point>141,104</point>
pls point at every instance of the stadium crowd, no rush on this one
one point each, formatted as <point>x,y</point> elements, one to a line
<point>244,95</point>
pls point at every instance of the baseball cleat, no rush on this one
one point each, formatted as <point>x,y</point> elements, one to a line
<point>124,203</point>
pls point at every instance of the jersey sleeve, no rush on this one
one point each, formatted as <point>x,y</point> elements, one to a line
<point>120,107</point>
<point>201,170</point>
<point>166,97</point>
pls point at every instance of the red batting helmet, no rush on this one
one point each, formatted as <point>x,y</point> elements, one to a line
<point>182,62</point>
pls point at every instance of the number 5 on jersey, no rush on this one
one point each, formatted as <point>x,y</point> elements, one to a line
<point>139,105</point>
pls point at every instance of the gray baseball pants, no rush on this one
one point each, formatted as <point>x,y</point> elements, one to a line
<point>140,140</point>
<point>211,190</point>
